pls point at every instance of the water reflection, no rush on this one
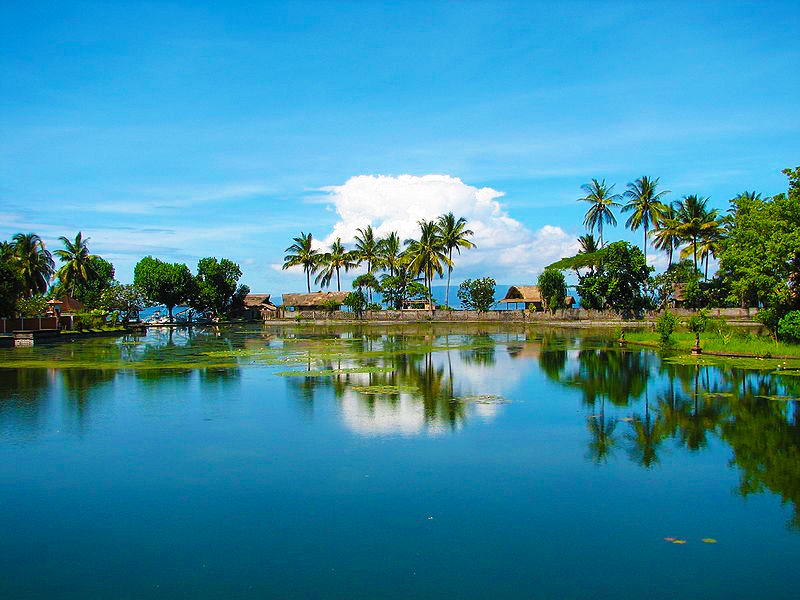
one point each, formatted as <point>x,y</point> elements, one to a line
<point>637,406</point>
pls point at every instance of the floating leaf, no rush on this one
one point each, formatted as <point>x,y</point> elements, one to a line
<point>670,539</point>
<point>482,399</point>
<point>709,540</point>
<point>678,541</point>
<point>384,389</point>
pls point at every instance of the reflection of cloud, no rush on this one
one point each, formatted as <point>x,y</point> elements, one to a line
<point>404,416</point>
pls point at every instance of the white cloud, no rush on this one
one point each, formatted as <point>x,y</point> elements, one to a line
<point>505,246</point>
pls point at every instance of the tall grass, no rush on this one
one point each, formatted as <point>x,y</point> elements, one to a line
<point>736,341</point>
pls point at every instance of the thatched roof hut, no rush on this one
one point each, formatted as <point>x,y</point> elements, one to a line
<point>530,297</point>
<point>313,301</point>
<point>259,301</point>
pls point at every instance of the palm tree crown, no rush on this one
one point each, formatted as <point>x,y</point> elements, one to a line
<point>428,255</point>
<point>367,247</point>
<point>667,233</point>
<point>391,253</point>
<point>646,205</point>
<point>332,262</point>
<point>301,253</point>
<point>600,195</point>
<point>454,234</point>
<point>77,269</point>
<point>34,261</point>
<point>694,220</point>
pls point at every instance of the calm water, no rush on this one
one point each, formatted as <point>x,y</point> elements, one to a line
<point>503,463</point>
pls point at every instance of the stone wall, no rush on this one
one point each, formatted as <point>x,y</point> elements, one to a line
<point>508,316</point>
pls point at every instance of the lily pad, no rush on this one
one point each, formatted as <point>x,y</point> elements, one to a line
<point>482,399</point>
<point>384,390</point>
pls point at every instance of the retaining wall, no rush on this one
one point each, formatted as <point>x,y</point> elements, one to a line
<point>510,316</point>
<point>27,324</point>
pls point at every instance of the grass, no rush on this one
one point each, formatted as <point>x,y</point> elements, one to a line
<point>748,343</point>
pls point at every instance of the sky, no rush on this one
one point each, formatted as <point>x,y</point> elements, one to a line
<point>185,130</point>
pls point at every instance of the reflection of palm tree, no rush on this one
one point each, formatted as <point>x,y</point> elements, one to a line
<point>602,443</point>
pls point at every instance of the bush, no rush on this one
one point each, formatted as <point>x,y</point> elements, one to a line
<point>32,307</point>
<point>789,327</point>
<point>769,318</point>
<point>697,324</point>
<point>374,306</point>
<point>330,305</point>
<point>89,319</point>
<point>665,326</point>
<point>356,301</point>
<point>553,289</point>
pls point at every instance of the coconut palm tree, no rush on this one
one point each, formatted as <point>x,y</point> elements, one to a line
<point>667,234</point>
<point>601,197</point>
<point>391,253</point>
<point>454,236</point>
<point>301,253</point>
<point>710,244</point>
<point>332,262</point>
<point>694,220</point>
<point>428,255</point>
<point>588,244</point>
<point>367,247</point>
<point>77,270</point>
<point>34,261</point>
<point>646,205</point>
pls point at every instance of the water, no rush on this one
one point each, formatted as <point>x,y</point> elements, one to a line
<point>184,466</point>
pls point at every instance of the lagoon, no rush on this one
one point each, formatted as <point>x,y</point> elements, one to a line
<point>436,461</point>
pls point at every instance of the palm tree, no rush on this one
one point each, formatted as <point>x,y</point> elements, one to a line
<point>588,244</point>
<point>391,254</point>
<point>646,206</point>
<point>667,233</point>
<point>34,261</point>
<point>428,255</point>
<point>301,253</point>
<point>710,244</point>
<point>454,237</point>
<point>600,196</point>
<point>367,247</point>
<point>694,220</point>
<point>332,262</point>
<point>77,269</point>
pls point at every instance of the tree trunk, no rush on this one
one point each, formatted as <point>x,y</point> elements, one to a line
<point>449,272</point>
<point>645,245</point>
<point>338,285</point>
<point>694,251</point>
<point>308,280</point>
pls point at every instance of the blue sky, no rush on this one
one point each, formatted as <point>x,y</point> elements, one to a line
<point>184,130</point>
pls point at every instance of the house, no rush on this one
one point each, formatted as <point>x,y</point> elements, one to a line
<point>65,309</point>
<point>529,297</point>
<point>259,307</point>
<point>314,301</point>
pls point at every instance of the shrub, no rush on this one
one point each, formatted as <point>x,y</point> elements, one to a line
<point>356,301</point>
<point>330,305</point>
<point>553,289</point>
<point>697,324</point>
<point>374,306</point>
<point>769,318</point>
<point>477,294</point>
<point>665,326</point>
<point>89,319</point>
<point>789,327</point>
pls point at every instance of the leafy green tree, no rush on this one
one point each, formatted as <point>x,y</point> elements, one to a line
<point>78,268</point>
<point>401,288</point>
<point>760,253</point>
<point>127,299</point>
<point>454,234</point>
<point>645,204</point>
<point>12,287</point>
<point>428,255</point>
<point>553,289</point>
<point>216,286</point>
<point>333,262</point>
<point>90,291</point>
<point>620,281</point>
<point>32,307</point>
<point>302,254</point>
<point>477,294</point>
<point>34,262</point>
<point>603,200</point>
<point>169,284</point>
<point>678,275</point>
<point>356,302</point>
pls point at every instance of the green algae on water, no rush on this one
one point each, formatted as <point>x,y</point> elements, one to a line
<point>384,390</point>
<point>334,372</point>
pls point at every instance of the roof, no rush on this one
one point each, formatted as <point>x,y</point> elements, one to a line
<point>70,305</point>
<point>523,293</point>
<point>256,300</point>
<point>313,299</point>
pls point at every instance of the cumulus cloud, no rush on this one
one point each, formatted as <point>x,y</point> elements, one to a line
<point>506,247</point>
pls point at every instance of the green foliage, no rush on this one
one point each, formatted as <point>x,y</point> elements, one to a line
<point>665,326</point>
<point>401,288</point>
<point>164,283</point>
<point>697,324</point>
<point>770,318</point>
<point>477,294</point>
<point>677,274</point>
<point>33,262</point>
<point>302,254</point>
<point>789,327</point>
<point>89,319</point>
<point>32,307</point>
<point>216,289</point>
<point>356,302</point>
<point>553,289</point>
<point>88,291</point>
<point>125,299</point>
<point>330,305</point>
<point>12,287</point>
<point>760,256</point>
<point>619,282</point>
